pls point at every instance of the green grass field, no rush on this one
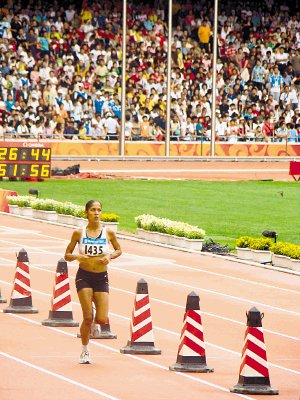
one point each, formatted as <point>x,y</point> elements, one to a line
<point>225,210</point>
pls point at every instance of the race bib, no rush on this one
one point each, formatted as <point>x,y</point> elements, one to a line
<point>93,246</point>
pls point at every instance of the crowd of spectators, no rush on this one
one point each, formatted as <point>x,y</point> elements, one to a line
<point>60,71</point>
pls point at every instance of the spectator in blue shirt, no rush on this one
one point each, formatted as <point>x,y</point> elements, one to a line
<point>44,44</point>
<point>10,102</point>
<point>98,103</point>
<point>292,133</point>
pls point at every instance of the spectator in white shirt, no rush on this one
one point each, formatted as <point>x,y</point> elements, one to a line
<point>23,130</point>
<point>112,127</point>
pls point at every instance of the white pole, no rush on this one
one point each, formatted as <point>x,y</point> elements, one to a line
<point>214,77</point>
<point>123,101</point>
<point>168,115</point>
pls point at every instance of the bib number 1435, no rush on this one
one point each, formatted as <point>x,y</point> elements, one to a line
<point>93,250</point>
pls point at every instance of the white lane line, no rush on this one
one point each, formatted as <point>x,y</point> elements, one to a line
<point>169,262</point>
<point>154,299</point>
<point>165,302</point>
<point>139,358</point>
<point>195,288</point>
<point>174,333</point>
<point>180,284</point>
<point>58,376</point>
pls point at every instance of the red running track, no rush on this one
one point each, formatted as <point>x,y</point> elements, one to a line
<point>39,362</point>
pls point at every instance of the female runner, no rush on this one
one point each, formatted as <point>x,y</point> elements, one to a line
<point>91,278</point>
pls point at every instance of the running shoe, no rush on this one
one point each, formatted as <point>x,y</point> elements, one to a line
<point>95,331</point>
<point>85,358</point>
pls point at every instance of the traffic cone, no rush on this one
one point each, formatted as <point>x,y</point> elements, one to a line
<point>61,309</point>
<point>254,373</point>
<point>21,299</point>
<point>142,337</point>
<point>191,352</point>
<point>100,331</point>
<point>2,299</point>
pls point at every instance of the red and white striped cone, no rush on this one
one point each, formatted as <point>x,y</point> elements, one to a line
<point>142,337</point>
<point>2,299</point>
<point>61,308</point>
<point>21,299</point>
<point>191,352</point>
<point>100,331</point>
<point>254,372</point>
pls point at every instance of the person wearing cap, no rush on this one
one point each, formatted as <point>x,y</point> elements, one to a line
<point>98,102</point>
<point>111,126</point>
<point>59,98</point>
<point>80,92</point>
<point>33,101</point>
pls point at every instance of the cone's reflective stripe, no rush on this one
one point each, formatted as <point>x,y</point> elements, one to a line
<point>141,324</point>
<point>62,284</point>
<point>192,338</point>
<point>141,300</point>
<point>22,281</point>
<point>141,316</point>
<point>195,344</point>
<point>254,356</point>
<point>62,304</point>
<point>145,334</point>
<point>62,295</point>
<point>193,323</point>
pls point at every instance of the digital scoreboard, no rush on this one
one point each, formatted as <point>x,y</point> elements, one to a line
<point>25,159</point>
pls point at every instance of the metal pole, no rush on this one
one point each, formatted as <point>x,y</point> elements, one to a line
<point>168,116</point>
<point>214,77</point>
<point>123,101</point>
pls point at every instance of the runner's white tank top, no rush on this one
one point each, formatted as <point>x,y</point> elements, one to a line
<point>94,246</point>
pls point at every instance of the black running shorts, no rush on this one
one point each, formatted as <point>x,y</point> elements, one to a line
<point>98,281</point>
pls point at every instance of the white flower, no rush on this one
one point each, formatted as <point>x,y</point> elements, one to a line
<point>164,225</point>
